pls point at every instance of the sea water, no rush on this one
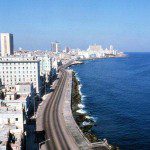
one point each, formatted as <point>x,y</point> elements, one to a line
<point>117,94</point>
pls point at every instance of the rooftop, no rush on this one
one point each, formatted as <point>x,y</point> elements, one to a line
<point>24,83</point>
<point>19,61</point>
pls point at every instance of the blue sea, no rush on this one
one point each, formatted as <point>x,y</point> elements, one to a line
<point>116,92</point>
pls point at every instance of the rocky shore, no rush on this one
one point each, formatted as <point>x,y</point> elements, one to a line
<point>84,121</point>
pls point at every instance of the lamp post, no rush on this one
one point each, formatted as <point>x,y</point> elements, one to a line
<point>42,143</point>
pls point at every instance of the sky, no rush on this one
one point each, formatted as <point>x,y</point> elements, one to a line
<point>77,23</point>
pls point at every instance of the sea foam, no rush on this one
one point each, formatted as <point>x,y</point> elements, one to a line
<point>85,123</point>
<point>81,111</point>
<point>81,106</point>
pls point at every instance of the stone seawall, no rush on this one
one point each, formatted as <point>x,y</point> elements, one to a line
<point>72,127</point>
<point>84,121</point>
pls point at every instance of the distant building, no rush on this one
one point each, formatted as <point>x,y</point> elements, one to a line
<point>7,45</point>
<point>55,47</point>
<point>111,48</point>
<point>95,47</point>
<point>67,49</point>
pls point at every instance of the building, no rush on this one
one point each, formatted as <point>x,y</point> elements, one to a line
<point>55,47</point>
<point>12,116</point>
<point>111,47</point>
<point>22,96</point>
<point>6,44</point>
<point>45,64</point>
<point>11,137</point>
<point>11,128</point>
<point>14,71</point>
<point>95,47</point>
<point>67,50</point>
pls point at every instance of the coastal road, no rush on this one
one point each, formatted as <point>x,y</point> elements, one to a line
<point>54,124</point>
<point>50,118</point>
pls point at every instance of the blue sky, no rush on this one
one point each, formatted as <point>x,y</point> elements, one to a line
<point>77,23</point>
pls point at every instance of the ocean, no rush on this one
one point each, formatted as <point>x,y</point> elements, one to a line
<point>116,92</point>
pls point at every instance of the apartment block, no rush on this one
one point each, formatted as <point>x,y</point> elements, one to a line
<point>13,72</point>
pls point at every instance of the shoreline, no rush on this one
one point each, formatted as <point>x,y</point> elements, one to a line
<point>82,118</point>
<point>95,58</point>
<point>80,115</point>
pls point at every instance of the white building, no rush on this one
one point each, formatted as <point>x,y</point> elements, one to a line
<point>14,71</point>
<point>6,44</point>
<point>54,63</point>
<point>45,64</point>
<point>12,116</point>
<point>95,47</point>
<point>111,47</point>
<point>21,97</point>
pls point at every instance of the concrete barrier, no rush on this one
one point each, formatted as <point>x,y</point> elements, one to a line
<point>72,127</point>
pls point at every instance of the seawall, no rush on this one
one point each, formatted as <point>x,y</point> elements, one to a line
<point>72,127</point>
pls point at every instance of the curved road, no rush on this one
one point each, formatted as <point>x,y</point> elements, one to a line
<point>54,124</point>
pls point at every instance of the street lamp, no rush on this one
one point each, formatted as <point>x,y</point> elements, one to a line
<point>42,143</point>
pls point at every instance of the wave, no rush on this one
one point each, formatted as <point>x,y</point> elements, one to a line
<point>81,111</point>
<point>79,87</point>
<point>85,123</point>
<point>83,97</point>
<point>81,106</point>
<point>77,77</point>
<point>92,118</point>
<point>88,117</point>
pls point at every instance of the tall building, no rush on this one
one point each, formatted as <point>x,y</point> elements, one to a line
<point>55,47</point>
<point>7,45</point>
<point>67,49</point>
<point>111,47</point>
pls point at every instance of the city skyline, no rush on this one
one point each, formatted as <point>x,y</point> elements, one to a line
<point>74,74</point>
<point>124,24</point>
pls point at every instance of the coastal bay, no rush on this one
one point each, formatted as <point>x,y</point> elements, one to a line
<point>115,93</point>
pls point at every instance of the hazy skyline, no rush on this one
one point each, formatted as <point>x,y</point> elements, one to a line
<point>124,24</point>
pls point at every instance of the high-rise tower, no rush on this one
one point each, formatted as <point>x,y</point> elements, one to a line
<point>7,46</point>
<point>111,47</point>
<point>55,47</point>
